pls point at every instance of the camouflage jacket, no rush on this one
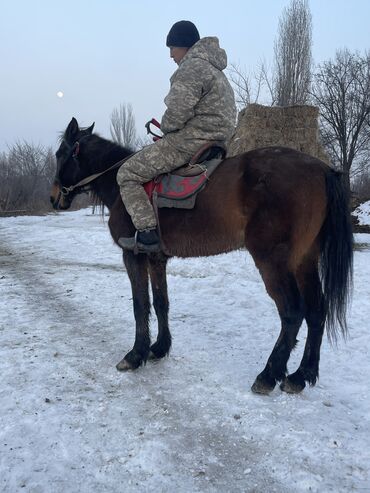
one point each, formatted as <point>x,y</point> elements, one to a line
<point>200,104</point>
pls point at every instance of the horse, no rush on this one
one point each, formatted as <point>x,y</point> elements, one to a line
<point>289,210</point>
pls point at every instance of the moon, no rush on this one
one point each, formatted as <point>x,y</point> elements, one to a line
<point>60,94</point>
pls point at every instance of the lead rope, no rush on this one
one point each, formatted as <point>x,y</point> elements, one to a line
<point>89,179</point>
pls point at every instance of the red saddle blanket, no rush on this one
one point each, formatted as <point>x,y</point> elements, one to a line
<point>172,190</point>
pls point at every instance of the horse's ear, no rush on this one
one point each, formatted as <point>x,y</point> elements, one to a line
<point>72,131</point>
<point>90,129</point>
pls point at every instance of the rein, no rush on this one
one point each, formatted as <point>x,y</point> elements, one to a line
<point>75,150</point>
<point>85,181</point>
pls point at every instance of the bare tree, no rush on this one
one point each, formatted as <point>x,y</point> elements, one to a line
<point>26,172</point>
<point>248,87</point>
<point>123,127</point>
<point>360,187</point>
<point>28,159</point>
<point>341,89</point>
<point>4,179</point>
<point>293,59</point>
<point>241,82</point>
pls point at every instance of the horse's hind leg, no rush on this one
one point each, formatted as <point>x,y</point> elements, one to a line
<point>281,285</point>
<point>157,270</point>
<point>137,270</point>
<point>310,287</point>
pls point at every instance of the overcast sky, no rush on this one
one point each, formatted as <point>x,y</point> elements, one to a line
<point>103,53</point>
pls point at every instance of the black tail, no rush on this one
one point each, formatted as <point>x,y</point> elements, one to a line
<point>336,254</point>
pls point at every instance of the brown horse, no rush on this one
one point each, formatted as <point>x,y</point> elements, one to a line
<point>288,209</point>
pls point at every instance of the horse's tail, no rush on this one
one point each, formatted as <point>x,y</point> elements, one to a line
<point>336,262</point>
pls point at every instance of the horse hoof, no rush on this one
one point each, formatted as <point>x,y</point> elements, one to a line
<point>152,356</point>
<point>124,365</point>
<point>292,387</point>
<point>261,388</point>
<point>132,360</point>
<point>159,350</point>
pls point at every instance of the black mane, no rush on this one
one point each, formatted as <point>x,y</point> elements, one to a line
<point>101,149</point>
<point>101,154</point>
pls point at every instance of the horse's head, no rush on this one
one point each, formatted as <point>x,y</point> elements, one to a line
<point>69,171</point>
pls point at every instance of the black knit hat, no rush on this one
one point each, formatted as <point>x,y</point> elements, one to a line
<point>183,34</point>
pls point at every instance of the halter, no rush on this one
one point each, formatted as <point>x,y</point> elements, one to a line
<point>75,150</point>
<point>82,183</point>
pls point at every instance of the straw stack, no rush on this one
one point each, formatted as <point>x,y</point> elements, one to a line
<point>265,126</point>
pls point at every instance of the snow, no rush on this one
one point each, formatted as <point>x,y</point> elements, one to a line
<point>363,213</point>
<point>189,423</point>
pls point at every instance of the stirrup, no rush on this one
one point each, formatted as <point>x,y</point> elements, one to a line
<point>137,247</point>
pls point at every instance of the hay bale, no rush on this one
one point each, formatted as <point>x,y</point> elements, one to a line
<point>266,126</point>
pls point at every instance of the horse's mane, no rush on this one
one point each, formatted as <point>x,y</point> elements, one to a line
<point>110,151</point>
<point>100,153</point>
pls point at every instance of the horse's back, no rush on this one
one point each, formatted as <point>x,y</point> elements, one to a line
<point>281,167</point>
<point>256,198</point>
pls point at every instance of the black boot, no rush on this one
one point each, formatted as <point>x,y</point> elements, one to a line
<point>146,241</point>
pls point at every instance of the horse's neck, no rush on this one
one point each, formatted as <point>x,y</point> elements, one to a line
<point>106,187</point>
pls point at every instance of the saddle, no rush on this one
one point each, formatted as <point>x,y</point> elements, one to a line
<point>180,187</point>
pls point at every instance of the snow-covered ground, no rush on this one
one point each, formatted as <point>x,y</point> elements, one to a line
<point>363,213</point>
<point>71,423</point>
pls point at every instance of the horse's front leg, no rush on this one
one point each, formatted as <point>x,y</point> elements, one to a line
<point>157,270</point>
<point>137,270</point>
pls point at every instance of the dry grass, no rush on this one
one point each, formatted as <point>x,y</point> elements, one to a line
<point>264,126</point>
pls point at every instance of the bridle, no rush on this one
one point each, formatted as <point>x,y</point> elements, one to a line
<point>81,186</point>
<point>74,150</point>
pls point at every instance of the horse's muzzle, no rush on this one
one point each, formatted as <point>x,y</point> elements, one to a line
<point>58,200</point>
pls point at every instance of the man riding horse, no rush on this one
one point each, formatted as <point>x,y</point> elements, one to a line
<point>200,108</point>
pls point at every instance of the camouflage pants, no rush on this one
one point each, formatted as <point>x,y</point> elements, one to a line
<point>145,165</point>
